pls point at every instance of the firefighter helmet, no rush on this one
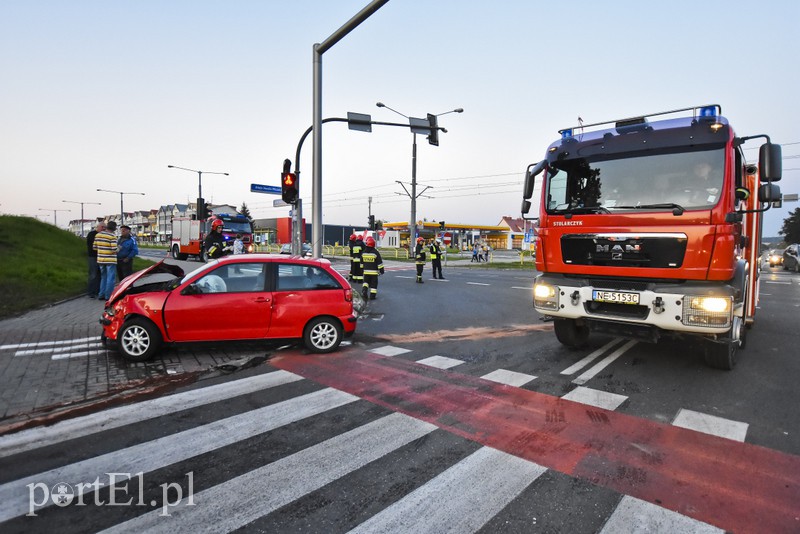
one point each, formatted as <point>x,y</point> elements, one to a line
<point>216,224</point>
<point>353,237</point>
<point>370,241</point>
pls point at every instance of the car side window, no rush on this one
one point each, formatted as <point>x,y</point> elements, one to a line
<point>234,278</point>
<point>297,276</point>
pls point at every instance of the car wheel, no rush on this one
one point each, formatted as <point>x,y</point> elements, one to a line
<point>138,340</point>
<point>323,334</point>
<point>570,333</point>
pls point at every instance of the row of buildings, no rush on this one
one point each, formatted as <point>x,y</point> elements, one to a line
<point>155,226</point>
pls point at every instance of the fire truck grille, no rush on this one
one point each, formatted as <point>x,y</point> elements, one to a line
<point>655,251</point>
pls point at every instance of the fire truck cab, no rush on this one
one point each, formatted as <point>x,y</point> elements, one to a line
<point>652,227</point>
<point>189,234</point>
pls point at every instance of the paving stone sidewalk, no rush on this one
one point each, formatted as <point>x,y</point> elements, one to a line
<point>52,364</point>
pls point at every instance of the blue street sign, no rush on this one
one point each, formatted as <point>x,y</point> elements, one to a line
<point>268,189</point>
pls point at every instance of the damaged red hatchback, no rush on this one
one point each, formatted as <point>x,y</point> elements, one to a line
<point>241,297</point>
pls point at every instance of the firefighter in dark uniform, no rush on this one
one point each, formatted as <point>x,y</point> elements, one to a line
<point>214,243</point>
<point>356,267</point>
<point>373,266</point>
<point>419,258</point>
<point>436,259</point>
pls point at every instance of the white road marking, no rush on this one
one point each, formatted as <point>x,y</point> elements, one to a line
<point>41,344</point>
<point>161,452</point>
<point>602,364</point>
<point>509,378</point>
<point>634,515</point>
<point>595,397</point>
<point>476,284</point>
<point>529,288</point>
<point>389,350</point>
<point>264,490</point>
<point>711,424</point>
<point>42,436</point>
<point>590,358</point>
<point>440,362</point>
<point>475,490</point>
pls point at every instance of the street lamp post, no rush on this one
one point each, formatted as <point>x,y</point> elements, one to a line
<point>199,183</point>
<point>412,224</point>
<point>81,203</point>
<point>121,208</point>
<point>55,215</point>
<point>199,177</point>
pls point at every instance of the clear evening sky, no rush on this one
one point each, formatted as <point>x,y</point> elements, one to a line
<point>107,93</point>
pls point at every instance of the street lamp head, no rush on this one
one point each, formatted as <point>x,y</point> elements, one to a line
<point>380,105</point>
<point>170,166</point>
<point>459,110</point>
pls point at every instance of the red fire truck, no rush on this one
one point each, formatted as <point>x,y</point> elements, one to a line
<point>188,234</point>
<point>652,227</point>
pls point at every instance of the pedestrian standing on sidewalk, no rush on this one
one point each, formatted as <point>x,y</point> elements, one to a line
<point>105,243</point>
<point>127,249</point>
<point>436,259</point>
<point>93,288</point>
<point>419,258</point>
<point>475,256</point>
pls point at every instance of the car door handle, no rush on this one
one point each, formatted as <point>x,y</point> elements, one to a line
<point>262,299</point>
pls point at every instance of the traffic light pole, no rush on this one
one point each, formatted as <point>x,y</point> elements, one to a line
<point>297,210</point>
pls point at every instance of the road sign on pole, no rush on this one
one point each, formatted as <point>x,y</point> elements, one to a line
<point>279,203</point>
<point>268,189</point>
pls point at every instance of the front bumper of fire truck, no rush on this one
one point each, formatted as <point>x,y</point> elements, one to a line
<point>698,307</point>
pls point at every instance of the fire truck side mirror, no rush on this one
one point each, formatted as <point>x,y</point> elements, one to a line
<point>530,178</point>
<point>526,206</point>
<point>770,162</point>
<point>769,193</point>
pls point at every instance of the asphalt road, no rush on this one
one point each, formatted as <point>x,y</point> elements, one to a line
<point>454,409</point>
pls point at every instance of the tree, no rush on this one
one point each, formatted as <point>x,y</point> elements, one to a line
<point>791,227</point>
<point>245,211</point>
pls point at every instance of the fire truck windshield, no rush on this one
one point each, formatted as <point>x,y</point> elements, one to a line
<point>688,180</point>
<point>237,227</point>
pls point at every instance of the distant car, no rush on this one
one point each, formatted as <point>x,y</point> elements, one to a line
<point>287,249</point>
<point>791,258</point>
<point>775,258</point>
<point>238,297</point>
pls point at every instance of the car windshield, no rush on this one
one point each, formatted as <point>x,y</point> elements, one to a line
<point>237,227</point>
<point>684,180</point>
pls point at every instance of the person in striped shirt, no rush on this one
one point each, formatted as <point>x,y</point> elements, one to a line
<point>105,243</point>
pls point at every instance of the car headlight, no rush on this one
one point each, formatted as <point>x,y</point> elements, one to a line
<point>545,296</point>
<point>707,311</point>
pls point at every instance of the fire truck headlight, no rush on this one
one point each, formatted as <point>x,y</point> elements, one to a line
<point>707,311</point>
<point>545,296</point>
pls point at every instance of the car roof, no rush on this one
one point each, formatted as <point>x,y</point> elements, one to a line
<point>246,258</point>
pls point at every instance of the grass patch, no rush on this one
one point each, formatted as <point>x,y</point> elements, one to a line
<point>41,265</point>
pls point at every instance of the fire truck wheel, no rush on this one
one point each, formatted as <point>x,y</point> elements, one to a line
<point>570,333</point>
<point>721,355</point>
<point>176,253</point>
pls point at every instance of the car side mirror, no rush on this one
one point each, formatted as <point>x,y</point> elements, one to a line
<point>191,289</point>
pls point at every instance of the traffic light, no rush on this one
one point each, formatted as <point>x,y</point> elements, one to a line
<point>433,138</point>
<point>290,189</point>
<point>441,225</point>
<point>371,222</point>
<point>201,205</point>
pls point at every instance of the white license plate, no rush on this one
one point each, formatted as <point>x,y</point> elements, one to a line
<point>617,297</point>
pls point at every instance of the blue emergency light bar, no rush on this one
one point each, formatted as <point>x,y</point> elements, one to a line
<point>706,112</point>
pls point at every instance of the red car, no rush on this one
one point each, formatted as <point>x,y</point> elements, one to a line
<point>241,297</point>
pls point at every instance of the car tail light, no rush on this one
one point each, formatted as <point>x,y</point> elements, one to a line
<point>348,294</point>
